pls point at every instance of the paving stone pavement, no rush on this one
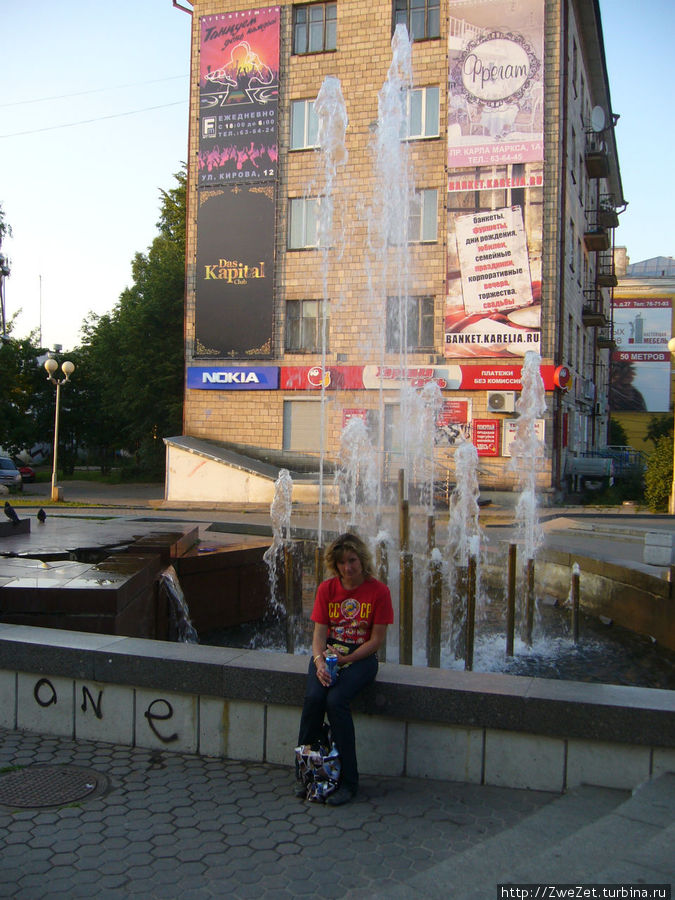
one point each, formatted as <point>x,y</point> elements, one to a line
<point>182,826</point>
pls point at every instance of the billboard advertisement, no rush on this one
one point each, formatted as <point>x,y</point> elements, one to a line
<point>495,82</point>
<point>640,366</point>
<point>235,272</point>
<point>238,96</point>
<point>494,252</point>
<point>495,177</point>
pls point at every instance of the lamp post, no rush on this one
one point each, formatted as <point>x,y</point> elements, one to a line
<point>67,368</point>
<point>671,501</point>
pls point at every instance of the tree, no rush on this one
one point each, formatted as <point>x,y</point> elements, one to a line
<point>617,433</point>
<point>24,402</point>
<point>132,359</point>
<point>659,426</point>
<point>659,474</point>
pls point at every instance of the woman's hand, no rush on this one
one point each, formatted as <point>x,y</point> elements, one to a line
<point>322,672</point>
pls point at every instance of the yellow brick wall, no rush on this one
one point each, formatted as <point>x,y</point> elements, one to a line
<point>361,63</point>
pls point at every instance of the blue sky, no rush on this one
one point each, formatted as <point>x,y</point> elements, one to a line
<point>82,199</point>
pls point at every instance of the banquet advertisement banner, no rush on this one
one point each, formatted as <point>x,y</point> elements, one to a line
<point>494,250</point>
<point>235,272</point>
<point>640,369</point>
<point>238,96</point>
<point>495,82</point>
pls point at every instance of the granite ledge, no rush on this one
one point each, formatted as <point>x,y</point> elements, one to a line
<point>627,715</point>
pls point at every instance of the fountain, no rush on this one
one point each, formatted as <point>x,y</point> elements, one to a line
<point>447,594</point>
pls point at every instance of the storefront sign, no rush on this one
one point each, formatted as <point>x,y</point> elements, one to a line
<point>239,378</point>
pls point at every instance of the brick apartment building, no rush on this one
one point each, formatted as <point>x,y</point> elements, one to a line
<point>514,193</point>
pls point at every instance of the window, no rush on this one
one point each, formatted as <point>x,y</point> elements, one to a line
<point>423,224</point>
<point>314,27</point>
<point>302,425</point>
<point>419,315</point>
<point>304,125</point>
<point>422,18</point>
<point>304,325</point>
<point>303,217</point>
<point>421,113</point>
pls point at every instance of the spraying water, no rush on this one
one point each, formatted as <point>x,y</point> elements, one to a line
<point>464,531</point>
<point>391,211</point>
<point>357,473</point>
<point>280,514</point>
<point>331,112</point>
<point>527,454</point>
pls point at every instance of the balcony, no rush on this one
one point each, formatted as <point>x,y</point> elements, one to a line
<point>596,239</point>
<point>597,157</point>
<point>605,339</point>
<point>605,274</point>
<point>593,313</point>
<point>607,216</point>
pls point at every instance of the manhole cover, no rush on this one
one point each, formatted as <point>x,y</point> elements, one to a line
<point>40,786</point>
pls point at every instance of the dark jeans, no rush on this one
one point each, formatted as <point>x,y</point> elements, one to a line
<point>335,702</point>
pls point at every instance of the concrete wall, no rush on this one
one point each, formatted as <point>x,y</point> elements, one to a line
<point>430,723</point>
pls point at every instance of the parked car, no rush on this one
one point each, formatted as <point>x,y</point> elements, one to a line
<point>9,474</point>
<point>27,473</point>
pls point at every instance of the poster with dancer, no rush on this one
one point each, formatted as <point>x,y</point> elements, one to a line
<point>235,272</point>
<point>495,82</point>
<point>640,365</point>
<point>238,96</point>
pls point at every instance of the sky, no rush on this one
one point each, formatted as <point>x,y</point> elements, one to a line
<point>94,120</point>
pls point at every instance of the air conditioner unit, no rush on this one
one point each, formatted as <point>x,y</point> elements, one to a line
<point>501,401</point>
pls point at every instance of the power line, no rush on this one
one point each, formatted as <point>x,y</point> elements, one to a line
<point>112,87</point>
<point>131,112</point>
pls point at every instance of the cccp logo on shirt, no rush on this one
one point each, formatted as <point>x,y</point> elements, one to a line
<point>350,608</point>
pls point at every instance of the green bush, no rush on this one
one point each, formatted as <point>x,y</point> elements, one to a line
<point>659,475</point>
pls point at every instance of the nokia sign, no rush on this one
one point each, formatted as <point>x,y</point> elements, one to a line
<point>230,378</point>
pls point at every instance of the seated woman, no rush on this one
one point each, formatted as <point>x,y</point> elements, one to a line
<point>351,613</point>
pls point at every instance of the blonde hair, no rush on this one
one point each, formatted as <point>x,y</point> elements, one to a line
<point>343,544</point>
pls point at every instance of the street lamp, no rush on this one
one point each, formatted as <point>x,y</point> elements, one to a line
<point>671,501</point>
<point>67,368</point>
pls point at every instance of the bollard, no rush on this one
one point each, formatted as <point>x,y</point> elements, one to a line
<point>382,574</point>
<point>511,601</point>
<point>293,599</point>
<point>459,610</point>
<point>405,625</point>
<point>529,602</point>
<point>470,614</point>
<point>575,603</point>
<point>434,617</point>
<point>318,565</point>
<point>405,599</point>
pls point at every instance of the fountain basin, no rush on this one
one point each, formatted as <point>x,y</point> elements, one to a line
<point>244,704</point>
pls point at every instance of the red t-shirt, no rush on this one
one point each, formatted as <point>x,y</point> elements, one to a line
<point>351,614</point>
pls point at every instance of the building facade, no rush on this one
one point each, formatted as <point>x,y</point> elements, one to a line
<point>313,298</point>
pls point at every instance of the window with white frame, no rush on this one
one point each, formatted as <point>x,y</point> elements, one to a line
<point>304,125</point>
<point>304,325</point>
<point>303,222</point>
<point>423,218</point>
<point>413,316</point>
<point>422,116</point>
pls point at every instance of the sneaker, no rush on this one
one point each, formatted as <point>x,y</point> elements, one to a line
<point>343,795</point>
